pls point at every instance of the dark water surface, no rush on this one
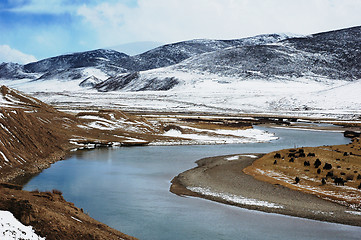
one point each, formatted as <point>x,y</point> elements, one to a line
<point>128,189</point>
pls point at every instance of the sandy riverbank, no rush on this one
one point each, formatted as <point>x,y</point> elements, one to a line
<point>222,179</point>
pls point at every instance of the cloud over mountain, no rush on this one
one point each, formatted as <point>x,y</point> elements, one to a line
<point>8,54</point>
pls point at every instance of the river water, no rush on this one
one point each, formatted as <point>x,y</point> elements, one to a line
<point>128,189</point>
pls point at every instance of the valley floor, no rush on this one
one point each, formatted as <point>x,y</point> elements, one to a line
<point>211,94</point>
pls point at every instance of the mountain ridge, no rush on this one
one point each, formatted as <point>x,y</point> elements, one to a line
<point>334,55</point>
<point>112,63</point>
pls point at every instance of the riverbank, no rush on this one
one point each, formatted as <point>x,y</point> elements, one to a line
<point>222,179</point>
<point>52,217</point>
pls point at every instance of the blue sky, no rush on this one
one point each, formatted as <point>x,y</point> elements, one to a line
<point>37,29</point>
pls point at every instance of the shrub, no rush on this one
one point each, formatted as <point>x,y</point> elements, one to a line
<point>56,191</point>
<point>339,181</point>
<point>297,180</point>
<point>329,174</point>
<point>317,163</point>
<point>302,154</point>
<point>323,181</point>
<point>327,166</point>
<point>291,155</point>
<point>277,155</point>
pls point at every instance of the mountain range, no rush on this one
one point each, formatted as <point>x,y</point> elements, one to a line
<point>334,55</point>
<point>274,73</point>
<point>106,63</point>
<point>331,55</point>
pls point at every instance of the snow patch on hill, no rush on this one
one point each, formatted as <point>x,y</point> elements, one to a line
<point>205,136</point>
<point>11,228</point>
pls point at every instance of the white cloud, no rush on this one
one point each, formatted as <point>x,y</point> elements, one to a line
<point>174,20</point>
<point>7,54</point>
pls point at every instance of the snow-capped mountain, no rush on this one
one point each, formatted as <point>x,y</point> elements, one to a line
<point>171,54</point>
<point>103,64</point>
<point>13,71</point>
<point>68,67</point>
<point>93,58</point>
<point>334,55</point>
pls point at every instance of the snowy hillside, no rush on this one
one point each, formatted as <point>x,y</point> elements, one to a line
<point>11,228</point>
<point>326,56</point>
<point>110,63</point>
<point>70,67</point>
<point>171,54</point>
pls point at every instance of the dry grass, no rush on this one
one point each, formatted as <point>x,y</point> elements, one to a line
<point>341,180</point>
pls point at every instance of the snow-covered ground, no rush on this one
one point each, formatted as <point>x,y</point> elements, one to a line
<point>207,136</point>
<point>210,93</point>
<point>236,157</point>
<point>11,228</point>
<point>233,198</point>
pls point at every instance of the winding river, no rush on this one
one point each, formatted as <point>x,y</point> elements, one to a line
<point>128,189</point>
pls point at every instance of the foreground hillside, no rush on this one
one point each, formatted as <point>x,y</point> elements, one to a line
<point>51,216</point>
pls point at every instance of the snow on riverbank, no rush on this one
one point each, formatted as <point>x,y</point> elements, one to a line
<point>206,136</point>
<point>236,157</point>
<point>11,228</point>
<point>233,198</point>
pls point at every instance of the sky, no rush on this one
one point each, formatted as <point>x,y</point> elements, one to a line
<point>31,30</point>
